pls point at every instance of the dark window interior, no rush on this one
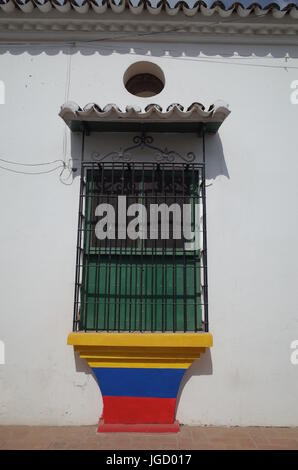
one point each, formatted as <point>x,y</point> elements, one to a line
<point>144,85</point>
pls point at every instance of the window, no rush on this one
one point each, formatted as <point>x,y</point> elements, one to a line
<point>144,85</point>
<point>144,79</point>
<point>145,284</point>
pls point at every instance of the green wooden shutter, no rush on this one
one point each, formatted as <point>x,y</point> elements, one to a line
<point>142,285</point>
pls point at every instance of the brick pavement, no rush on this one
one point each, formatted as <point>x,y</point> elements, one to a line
<point>189,437</point>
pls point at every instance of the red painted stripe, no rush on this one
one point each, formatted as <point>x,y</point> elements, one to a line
<point>102,427</point>
<point>139,410</point>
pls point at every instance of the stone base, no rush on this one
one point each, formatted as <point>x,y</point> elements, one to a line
<point>139,428</point>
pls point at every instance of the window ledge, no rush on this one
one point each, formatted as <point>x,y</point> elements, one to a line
<point>158,350</point>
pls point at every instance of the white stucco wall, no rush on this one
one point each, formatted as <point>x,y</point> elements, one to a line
<point>252,195</point>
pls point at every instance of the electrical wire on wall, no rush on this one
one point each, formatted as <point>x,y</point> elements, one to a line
<point>66,98</point>
<point>65,167</point>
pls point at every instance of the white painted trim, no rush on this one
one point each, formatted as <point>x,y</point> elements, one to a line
<point>71,26</point>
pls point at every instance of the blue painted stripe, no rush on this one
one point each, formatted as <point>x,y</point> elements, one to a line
<point>138,382</point>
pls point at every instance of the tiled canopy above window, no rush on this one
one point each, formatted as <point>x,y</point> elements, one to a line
<point>172,118</point>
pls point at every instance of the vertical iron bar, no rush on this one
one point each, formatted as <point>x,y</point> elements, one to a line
<point>77,306</point>
<point>131,253</point>
<point>106,196</point>
<point>110,259</point>
<point>88,225</point>
<point>194,189</point>
<point>152,248</point>
<point>97,248</point>
<point>184,266</point>
<point>142,258</point>
<point>125,248</point>
<point>120,259</point>
<point>206,320</point>
<point>163,254</point>
<point>174,259</point>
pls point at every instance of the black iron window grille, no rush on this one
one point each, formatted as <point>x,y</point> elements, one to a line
<point>143,284</point>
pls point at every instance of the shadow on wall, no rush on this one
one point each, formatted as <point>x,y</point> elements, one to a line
<point>202,366</point>
<point>134,47</point>
<point>81,365</point>
<point>215,159</point>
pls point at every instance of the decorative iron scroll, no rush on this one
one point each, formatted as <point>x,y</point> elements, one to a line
<point>145,142</point>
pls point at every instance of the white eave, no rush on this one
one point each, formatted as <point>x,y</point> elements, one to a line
<point>175,118</point>
<point>91,20</point>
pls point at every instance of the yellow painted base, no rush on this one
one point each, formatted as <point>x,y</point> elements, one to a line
<point>150,350</point>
